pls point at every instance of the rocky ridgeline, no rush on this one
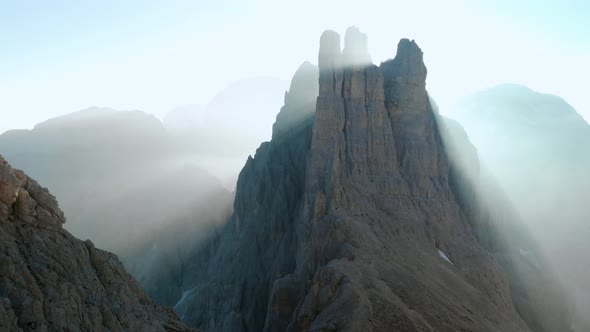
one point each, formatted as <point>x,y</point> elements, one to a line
<point>355,218</point>
<point>51,281</point>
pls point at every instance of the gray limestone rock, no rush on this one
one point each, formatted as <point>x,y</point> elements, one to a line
<point>355,50</point>
<point>358,219</point>
<point>51,281</point>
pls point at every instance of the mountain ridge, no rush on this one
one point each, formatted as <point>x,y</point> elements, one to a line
<point>50,280</point>
<point>345,223</point>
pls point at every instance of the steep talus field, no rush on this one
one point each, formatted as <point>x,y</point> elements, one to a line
<point>357,218</point>
<point>51,281</point>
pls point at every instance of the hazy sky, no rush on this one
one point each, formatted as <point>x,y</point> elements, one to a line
<point>57,57</point>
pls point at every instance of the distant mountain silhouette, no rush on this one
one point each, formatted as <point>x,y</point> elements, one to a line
<point>122,182</point>
<point>223,133</point>
<point>538,149</point>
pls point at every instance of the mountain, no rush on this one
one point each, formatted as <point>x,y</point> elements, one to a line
<point>537,148</point>
<point>95,149</point>
<point>51,281</point>
<point>122,182</point>
<point>246,109</point>
<point>356,217</point>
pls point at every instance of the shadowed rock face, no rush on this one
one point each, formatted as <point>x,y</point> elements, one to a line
<point>51,281</point>
<point>357,220</point>
<point>229,281</point>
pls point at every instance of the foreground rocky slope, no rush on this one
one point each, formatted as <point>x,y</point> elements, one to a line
<point>355,218</point>
<point>51,281</point>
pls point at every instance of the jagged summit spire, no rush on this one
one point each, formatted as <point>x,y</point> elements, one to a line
<point>408,62</point>
<point>304,82</point>
<point>330,54</point>
<point>346,215</point>
<point>299,100</point>
<point>355,50</point>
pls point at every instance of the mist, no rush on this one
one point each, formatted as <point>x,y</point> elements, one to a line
<point>534,160</point>
<point>152,191</point>
<point>221,134</point>
<point>158,57</point>
<point>123,181</point>
<point>190,94</point>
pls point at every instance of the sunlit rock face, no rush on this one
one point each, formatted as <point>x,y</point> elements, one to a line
<point>51,281</point>
<point>357,219</point>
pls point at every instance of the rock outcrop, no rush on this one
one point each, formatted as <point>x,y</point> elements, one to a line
<point>51,281</point>
<point>299,101</point>
<point>357,219</point>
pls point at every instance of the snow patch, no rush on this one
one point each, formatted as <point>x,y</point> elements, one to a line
<point>183,297</point>
<point>444,256</point>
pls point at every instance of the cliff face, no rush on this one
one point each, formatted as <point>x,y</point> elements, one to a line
<point>51,281</point>
<point>357,219</point>
<point>381,210</point>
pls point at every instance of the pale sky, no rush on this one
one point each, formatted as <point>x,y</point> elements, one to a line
<point>60,56</point>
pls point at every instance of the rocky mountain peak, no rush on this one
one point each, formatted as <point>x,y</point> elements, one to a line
<point>354,220</point>
<point>299,100</point>
<point>408,63</point>
<point>304,83</point>
<point>356,51</point>
<point>330,52</point>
